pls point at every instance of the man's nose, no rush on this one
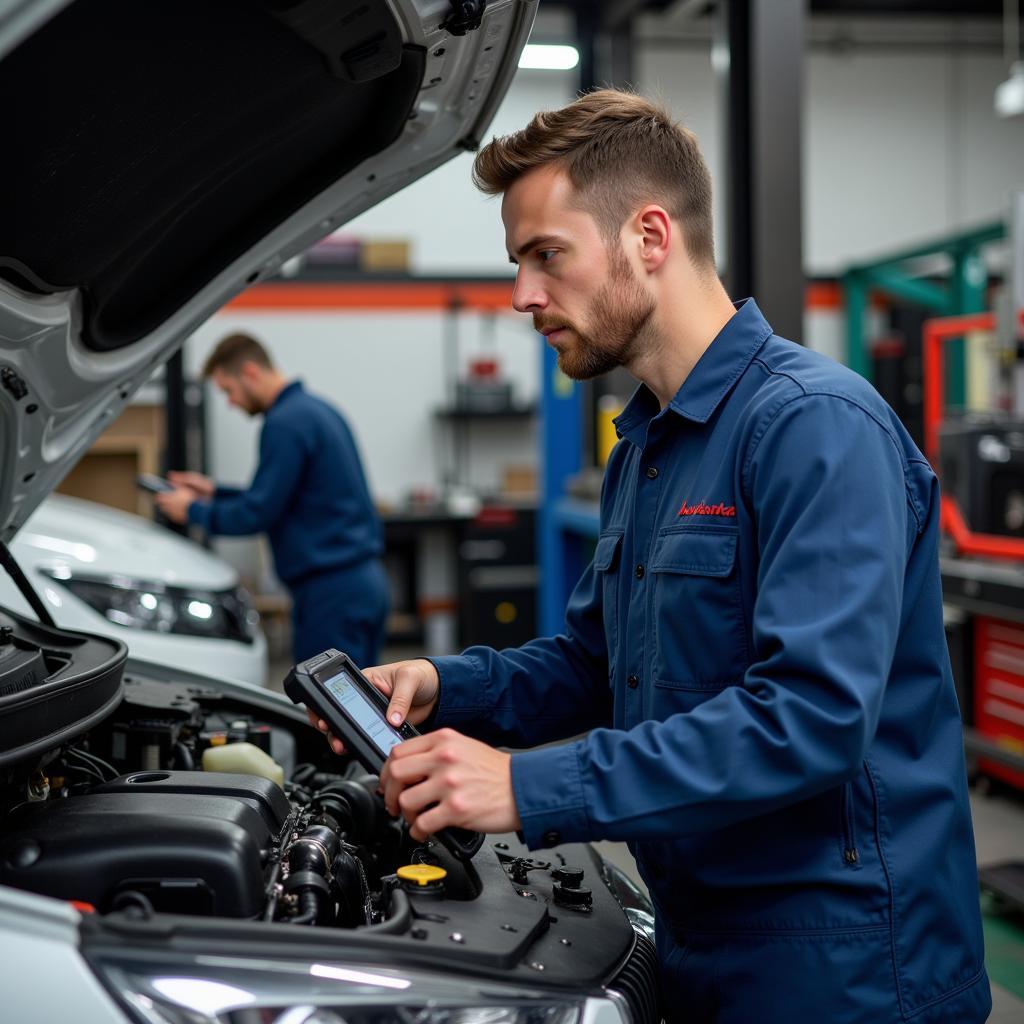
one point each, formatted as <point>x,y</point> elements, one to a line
<point>527,296</point>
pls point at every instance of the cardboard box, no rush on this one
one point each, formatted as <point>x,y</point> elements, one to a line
<point>385,254</point>
<point>519,481</point>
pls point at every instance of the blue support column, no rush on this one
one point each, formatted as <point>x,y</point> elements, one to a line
<point>561,440</point>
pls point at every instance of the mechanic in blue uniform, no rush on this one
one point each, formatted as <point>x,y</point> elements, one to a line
<point>310,497</point>
<point>757,646</point>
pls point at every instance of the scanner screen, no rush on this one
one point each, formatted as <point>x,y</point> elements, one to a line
<point>347,695</point>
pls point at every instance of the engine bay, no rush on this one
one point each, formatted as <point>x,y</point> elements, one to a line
<point>122,820</point>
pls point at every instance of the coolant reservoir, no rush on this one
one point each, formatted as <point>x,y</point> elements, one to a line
<point>243,759</point>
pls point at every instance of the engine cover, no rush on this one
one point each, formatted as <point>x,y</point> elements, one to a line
<point>191,842</point>
<point>55,684</point>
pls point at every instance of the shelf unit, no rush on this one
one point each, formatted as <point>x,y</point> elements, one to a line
<point>513,412</point>
<point>563,528</point>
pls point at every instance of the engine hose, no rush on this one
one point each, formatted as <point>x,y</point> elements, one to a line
<point>335,805</point>
<point>133,903</point>
<point>309,908</point>
<point>309,891</point>
<point>364,809</point>
<point>314,850</point>
<point>351,889</point>
<point>183,759</point>
<point>309,866</point>
<point>400,920</point>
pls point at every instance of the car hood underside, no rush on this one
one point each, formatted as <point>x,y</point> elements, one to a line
<point>228,120</point>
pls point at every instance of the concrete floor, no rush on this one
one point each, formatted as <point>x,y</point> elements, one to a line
<point>998,833</point>
<point>999,836</point>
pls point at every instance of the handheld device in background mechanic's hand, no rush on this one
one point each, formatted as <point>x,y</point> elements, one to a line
<point>153,484</point>
<point>355,711</point>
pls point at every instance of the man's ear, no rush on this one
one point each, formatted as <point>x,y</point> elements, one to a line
<point>657,235</point>
<point>250,372</point>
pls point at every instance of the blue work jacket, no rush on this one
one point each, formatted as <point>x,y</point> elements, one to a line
<point>309,494</point>
<point>758,649</point>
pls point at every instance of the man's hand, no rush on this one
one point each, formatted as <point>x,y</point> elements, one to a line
<point>200,486</point>
<point>174,504</point>
<point>412,687</point>
<point>444,779</point>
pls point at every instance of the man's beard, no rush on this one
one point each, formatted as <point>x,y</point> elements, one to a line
<point>620,312</point>
<point>251,405</point>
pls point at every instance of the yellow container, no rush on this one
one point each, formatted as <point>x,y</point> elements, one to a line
<point>608,407</point>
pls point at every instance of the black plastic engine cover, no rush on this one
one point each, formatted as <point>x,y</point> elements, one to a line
<point>55,685</point>
<point>190,842</point>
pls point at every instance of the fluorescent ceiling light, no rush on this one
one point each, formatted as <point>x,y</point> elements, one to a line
<point>541,57</point>
<point>1009,98</point>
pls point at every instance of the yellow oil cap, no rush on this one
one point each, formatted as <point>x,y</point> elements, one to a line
<point>421,874</point>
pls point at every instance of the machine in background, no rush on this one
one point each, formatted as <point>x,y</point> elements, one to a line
<point>980,460</point>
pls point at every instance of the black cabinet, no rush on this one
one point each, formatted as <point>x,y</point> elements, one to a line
<point>498,577</point>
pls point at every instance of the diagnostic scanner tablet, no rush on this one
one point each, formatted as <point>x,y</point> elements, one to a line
<point>355,711</point>
<point>153,483</point>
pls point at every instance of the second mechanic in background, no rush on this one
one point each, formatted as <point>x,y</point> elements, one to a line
<point>309,496</point>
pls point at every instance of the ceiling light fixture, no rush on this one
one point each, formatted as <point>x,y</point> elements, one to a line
<point>544,57</point>
<point>1009,97</point>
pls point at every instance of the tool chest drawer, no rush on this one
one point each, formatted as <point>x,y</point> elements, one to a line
<point>999,690</point>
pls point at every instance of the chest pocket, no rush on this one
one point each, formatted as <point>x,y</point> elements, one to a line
<point>606,566</point>
<point>700,643</point>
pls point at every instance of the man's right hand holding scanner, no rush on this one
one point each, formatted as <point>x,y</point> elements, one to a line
<point>412,689</point>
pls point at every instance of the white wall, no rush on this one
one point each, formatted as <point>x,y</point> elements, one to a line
<point>900,146</point>
<point>683,79</point>
<point>386,374</point>
<point>454,229</point>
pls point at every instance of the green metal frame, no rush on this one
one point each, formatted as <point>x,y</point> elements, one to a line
<point>895,275</point>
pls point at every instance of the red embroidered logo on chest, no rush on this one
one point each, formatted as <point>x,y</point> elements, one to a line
<point>707,510</point>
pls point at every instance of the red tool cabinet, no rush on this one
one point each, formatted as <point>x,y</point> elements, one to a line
<point>999,690</point>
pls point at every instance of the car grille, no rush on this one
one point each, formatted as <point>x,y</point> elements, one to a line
<point>637,983</point>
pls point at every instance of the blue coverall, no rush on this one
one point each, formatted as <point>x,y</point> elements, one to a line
<point>310,497</point>
<point>761,626</point>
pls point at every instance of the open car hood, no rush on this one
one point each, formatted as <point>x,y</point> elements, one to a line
<point>161,157</point>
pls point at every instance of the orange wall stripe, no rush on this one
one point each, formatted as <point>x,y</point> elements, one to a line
<point>823,295</point>
<point>381,295</point>
<point>426,295</point>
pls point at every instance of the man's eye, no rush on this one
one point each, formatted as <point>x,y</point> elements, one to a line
<point>544,255</point>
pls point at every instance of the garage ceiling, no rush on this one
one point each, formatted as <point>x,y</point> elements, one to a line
<point>615,12</point>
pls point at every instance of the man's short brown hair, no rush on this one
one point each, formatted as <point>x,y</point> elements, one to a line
<point>620,151</point>
<point>234,350</point>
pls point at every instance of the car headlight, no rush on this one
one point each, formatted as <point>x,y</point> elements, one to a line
<point>233,990</point>
<point>136,604</point>
<point>635,903</point>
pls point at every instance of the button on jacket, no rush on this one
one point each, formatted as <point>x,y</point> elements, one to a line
<point>309,494</point>
<point>761,627</point>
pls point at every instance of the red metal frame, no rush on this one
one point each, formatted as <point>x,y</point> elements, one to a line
<point>935,334</point>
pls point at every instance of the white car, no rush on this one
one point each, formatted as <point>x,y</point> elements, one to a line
<point>167,598</point>
<point>179,847</point>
